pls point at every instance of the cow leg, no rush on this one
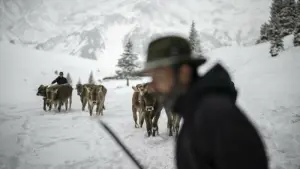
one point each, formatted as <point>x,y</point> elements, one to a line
<point>148,122</point>
<point>84,104</point>
<point>44,104</point>
<point>70,102</point>
<point>98,109</point>
<point>91,107</point>
<point>55,105</point>
<point>101,108</point>
<point>59,105</point>
<point>66,104</point>
<point>170,122</point>
<point>141,117</point>
<point>154,124</point>
<point>177,124</point>
<point>134,115</point>
<point>50,106</point>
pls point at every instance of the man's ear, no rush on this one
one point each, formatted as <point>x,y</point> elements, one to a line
<point>185,73</point>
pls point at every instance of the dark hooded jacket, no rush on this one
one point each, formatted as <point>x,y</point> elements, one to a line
<point>60,80</point>
<point>216,134</point>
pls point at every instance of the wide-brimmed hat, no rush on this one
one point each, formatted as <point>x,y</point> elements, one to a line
<point>167,51</point>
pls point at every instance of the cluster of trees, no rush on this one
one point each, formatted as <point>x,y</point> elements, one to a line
<point>127,63</point>
<point>91,79</point>
<point>284,20</point>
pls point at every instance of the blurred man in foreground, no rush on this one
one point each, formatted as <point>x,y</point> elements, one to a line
<point>215,134</point>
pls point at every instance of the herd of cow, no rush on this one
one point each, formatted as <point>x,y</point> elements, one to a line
<point>145,103</point>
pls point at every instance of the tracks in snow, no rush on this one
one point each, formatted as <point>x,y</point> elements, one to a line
<point>32,138</point>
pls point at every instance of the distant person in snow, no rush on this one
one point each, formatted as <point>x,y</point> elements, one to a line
<point>215,133</point>
<point>60,79</point>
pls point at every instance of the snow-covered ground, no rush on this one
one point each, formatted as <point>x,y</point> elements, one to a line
<point>33,139</point>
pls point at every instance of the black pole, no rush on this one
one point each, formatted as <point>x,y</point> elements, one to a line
<point>121,144</point>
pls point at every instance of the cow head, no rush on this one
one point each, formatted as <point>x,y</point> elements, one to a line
<point>79,88</point>
<point>94,94</point>
<point>146,95</point>
<point>41,91</point>
<point>141,88</point>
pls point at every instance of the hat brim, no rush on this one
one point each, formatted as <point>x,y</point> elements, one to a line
<point>150,66</point>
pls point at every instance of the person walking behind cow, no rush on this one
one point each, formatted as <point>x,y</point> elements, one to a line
<point>215,134</point>
<point>60,79</point>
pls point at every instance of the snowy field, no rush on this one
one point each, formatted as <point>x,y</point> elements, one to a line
<point>33,139</point>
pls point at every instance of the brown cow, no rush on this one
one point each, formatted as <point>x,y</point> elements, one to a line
<point>96,97</point>
<point>82,91</point>
<point>149,108</point>
<point>173,119</point>
<point>60,94</point>
<point>137,106</point>
<point>42,92</point>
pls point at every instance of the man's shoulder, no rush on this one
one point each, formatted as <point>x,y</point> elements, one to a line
<point>217,101</point>
<point>218,106</point>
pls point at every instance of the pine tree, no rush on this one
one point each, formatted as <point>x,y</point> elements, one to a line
<point>127,63</point>
<point>289,3</point>
<point>276,38</point>
<point>298,8</point>
<point>79,81</point>
<point>287,17</point>
<point>264,33</point>
<point>296,40</point>
<point>91,78</point>
<point>69,79</point>
<point>194,39</point>
<point>276,7</point>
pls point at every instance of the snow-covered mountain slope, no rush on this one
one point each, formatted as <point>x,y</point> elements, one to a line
<point>79,27</point>
<point>32,139</point>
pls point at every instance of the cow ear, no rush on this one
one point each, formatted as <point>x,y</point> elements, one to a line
<point>134,88</point>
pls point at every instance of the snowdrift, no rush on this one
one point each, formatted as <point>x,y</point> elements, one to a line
<point>22,70</point>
